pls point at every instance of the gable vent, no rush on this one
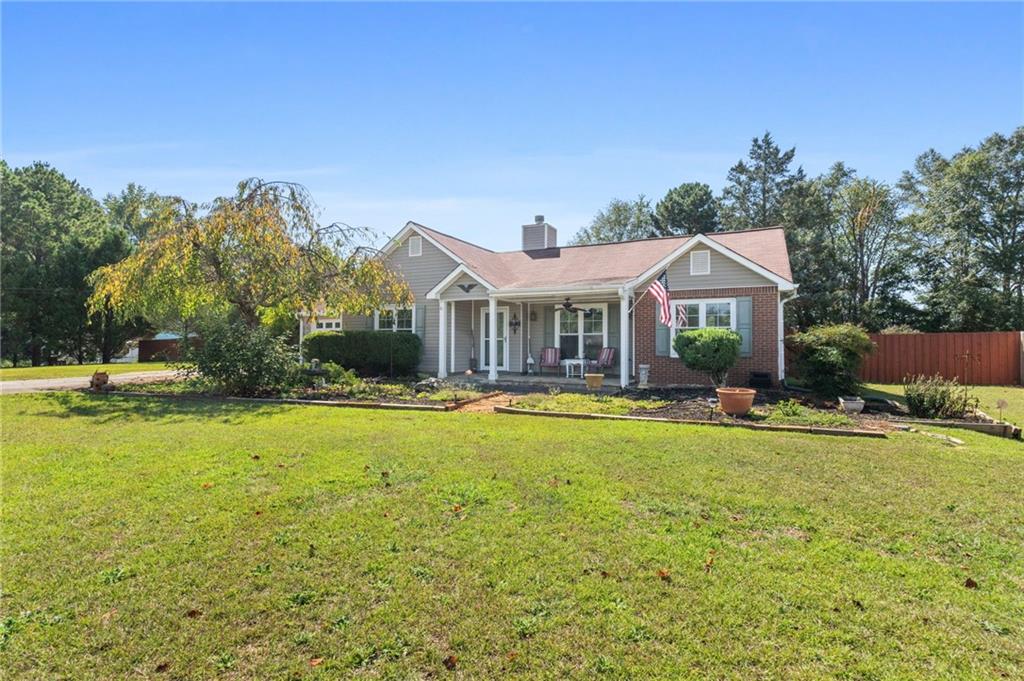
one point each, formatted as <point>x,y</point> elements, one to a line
<point>700,262</point>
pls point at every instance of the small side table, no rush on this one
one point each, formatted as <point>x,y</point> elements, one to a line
<point>570,372</point>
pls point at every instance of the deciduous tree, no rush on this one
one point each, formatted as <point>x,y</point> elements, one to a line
<point>969,210</point>
<point>690,208</point>
<point>620,221</point>
<point>256,253</point>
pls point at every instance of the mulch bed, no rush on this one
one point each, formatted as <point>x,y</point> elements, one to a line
<point>692,404</point>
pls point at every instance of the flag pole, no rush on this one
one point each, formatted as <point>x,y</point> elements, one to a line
<point>636,301</point>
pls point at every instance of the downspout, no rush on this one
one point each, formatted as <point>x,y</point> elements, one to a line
<point>781,335</point>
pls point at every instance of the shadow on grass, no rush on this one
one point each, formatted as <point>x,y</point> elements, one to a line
<point>110,408</point>
<point>883,394</point>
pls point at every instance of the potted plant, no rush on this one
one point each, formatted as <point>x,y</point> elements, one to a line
<point>594,381</point>
<point>713,352</point>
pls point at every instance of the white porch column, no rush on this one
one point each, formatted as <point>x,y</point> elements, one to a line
<point>442,339</point>
<point>302,334</point>
<point>492,333</point>
<point>624,349</point>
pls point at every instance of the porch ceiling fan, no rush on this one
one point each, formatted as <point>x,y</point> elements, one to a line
<point>569,307</point>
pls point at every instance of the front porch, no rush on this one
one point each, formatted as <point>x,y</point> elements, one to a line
<point>591,326</point>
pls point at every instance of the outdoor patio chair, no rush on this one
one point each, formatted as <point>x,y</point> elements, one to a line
<point>605,360</point>
<point>551,358</point>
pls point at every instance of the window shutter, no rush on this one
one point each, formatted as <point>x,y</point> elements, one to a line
<point>662,334</point>
<point>745,325</point>
<point>421,321</point>
<point>549,326</point>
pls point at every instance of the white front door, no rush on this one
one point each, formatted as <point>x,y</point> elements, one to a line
<point>485,341</point>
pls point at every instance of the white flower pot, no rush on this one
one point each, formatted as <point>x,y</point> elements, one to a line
<point>851,405</point>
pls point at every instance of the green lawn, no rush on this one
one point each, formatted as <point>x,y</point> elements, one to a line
<point>159,539</point>
<point>75,370</point>
<point>988,396</point>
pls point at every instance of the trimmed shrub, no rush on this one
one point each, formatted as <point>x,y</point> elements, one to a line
<point>371,353</point>
<point>710,351</point>
<point>829,357</point>
<point>934,397</point>
<point>243,361</point>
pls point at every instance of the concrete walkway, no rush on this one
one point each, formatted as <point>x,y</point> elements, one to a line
<point>40,384</point>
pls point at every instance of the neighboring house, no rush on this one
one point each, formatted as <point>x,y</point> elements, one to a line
<point>466,295</point>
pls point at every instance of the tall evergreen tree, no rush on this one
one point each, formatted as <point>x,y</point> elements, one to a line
<point>756,193</point>
<point>55,235</point>
<point>48,220</point>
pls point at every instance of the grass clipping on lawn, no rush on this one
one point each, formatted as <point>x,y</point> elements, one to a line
<point>196,539</point>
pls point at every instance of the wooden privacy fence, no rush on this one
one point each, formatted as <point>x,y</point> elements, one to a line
<point>986,358</point>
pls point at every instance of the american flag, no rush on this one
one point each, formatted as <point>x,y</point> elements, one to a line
<point>659,289</point>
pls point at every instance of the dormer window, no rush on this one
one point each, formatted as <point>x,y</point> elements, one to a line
<point>415,246</point>
<point>700,262</point>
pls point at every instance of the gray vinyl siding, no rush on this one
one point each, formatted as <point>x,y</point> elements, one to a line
<point>533,237</point>
<point>355,322</point>
<point>725,273</point>
<point>422,273</point>
<point>464,335</point>
<point>535,333</point>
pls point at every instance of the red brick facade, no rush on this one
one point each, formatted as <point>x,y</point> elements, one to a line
<point>765,345</point>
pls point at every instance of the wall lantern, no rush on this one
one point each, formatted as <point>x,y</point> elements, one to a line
<point>514,323</point>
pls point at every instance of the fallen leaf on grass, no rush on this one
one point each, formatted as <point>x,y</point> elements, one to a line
<point>193,613</point>
<point>207,485</point>
<point>512,655</point>
<point>970,583</point>
<point>107,616</point>
<point>316,661</point>
<point>450,662</point>
<point>162,667</point>
<point>710,562</point>
<point>457,508</point>
<point>664,575</point>
<point>255,457</point>
<point>605,574</point>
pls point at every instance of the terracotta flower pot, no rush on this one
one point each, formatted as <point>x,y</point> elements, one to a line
<point>594,381</point>
<point>736,401</point>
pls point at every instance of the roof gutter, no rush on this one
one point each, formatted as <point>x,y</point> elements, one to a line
<point>554,291</point>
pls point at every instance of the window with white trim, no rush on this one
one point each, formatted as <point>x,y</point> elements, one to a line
<point>415,246</point>
<point>700,262</point>
<point>328,324</point>
<point>699,314</point>
<point>392,318</point>
<point>582,333</point>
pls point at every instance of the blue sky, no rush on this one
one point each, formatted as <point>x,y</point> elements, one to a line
<point>472,118</point>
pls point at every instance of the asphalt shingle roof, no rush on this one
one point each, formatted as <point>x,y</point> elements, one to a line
<point>605,264</point>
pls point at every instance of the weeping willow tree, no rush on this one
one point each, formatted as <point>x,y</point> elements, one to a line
<point>259,253</point>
